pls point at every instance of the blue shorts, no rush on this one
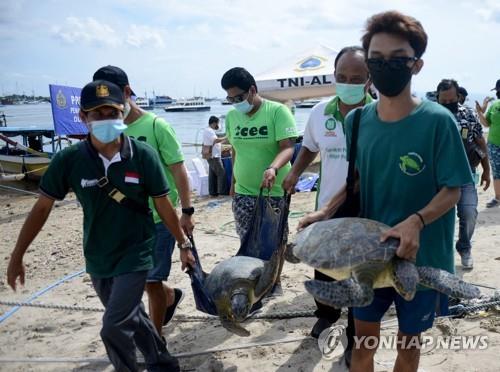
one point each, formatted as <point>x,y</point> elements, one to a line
<point>414,316</point>
<point>162,254</point>
<point>494,153</point>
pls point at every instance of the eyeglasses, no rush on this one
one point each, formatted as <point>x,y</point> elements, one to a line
<point>238,98</point>
<point>395,63</point>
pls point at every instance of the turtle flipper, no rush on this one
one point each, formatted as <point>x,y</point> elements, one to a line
<point>447,283</point>
<point>405,278</point>
<point>234,328</point>
<point>343,293</point>
<point>289,256</point>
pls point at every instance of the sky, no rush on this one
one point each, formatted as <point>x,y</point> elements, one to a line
<point>182,48</point>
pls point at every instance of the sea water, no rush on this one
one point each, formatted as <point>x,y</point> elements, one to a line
<point>187,125</point>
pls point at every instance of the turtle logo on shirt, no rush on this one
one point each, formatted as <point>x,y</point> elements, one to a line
<point>411,164</point>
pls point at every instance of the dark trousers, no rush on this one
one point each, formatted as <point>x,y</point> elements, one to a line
<point>125,324</point>
<point>332,314</point>
<point>216,177</point>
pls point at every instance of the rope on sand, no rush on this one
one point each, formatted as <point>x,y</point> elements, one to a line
<point>38,294</point>
<point>183,318</point>
<point>457,310</point>
<point>141,360</point>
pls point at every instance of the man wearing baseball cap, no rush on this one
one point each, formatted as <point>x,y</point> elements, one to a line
<point>490,118</point>
<point>112,177</point>
<point>156,132</point>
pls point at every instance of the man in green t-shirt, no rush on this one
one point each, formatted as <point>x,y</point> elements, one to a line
<point>491,119</point>
<point>262,134</point>
<point>112,176</point>
<point>411,164</point>
<point>155,131</point>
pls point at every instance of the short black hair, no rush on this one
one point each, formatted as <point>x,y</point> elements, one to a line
<point>446,84</point>
<point>463,91</point>
<point>348,49</point>
<point>238,77</point>
<point>213,119</point>
<point>395,23</point>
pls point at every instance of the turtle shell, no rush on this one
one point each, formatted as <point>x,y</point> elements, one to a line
<point>344,243</point>
<point>231,271</point>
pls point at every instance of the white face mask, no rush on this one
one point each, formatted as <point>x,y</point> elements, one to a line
<point>126,109</point>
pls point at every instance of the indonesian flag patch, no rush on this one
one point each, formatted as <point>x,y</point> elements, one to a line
<point>131,177</point>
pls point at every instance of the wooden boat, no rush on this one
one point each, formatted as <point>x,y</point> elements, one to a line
<point>26,156</point>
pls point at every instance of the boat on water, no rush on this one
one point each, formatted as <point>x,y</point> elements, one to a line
<point>191,104</point>
<point>27,158</point>
<point>163,101</point>
<point>225,102</point>
<point>143,103</point>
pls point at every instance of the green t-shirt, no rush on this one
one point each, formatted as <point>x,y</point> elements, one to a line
<point>164,140</point>
<point>116,239</point>
<point>493,119</point>
<point>402,165</point>
<point>256,142</point>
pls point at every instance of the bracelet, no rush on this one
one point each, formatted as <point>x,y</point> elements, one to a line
<point>421,219</point>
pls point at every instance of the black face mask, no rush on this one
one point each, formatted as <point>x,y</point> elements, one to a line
<point>452,106</point>
<point>390,77</point>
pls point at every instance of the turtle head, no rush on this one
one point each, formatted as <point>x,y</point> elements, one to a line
<point>240,306</point>
<point>231,312</point>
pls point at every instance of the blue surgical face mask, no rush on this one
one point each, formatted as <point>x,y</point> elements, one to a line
<point>107,131</point>
<point>244,106</point>
<point>350,94</point>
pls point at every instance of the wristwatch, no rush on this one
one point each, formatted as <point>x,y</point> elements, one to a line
<point>189,211</point>
<point>186,245</point>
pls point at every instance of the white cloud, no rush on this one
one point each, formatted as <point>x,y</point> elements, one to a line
<point>87,31</point>
<point>144,36</point>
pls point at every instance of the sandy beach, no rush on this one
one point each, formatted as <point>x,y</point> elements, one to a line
<point>68,340</point>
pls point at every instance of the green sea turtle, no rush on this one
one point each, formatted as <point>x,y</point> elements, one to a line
<point>239,283</point>
<point>407,161</point>
<point>349,250</point>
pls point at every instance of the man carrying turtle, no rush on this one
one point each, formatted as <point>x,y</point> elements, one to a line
<point>325,133</point>
<point>411,164</point>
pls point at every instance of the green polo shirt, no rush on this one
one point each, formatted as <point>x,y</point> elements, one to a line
<point>116,240</point>
<point>332,108</point>
<point>160,136</point>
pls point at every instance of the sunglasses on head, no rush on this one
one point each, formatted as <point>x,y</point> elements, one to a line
<point>396,63</point>
<point>238,98</point>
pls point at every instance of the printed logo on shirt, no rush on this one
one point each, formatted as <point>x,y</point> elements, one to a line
<point>411,164</point>
<point>331,125</point>
<point>252,132</point>
<point>88,183</point>
<point>132,177</point>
